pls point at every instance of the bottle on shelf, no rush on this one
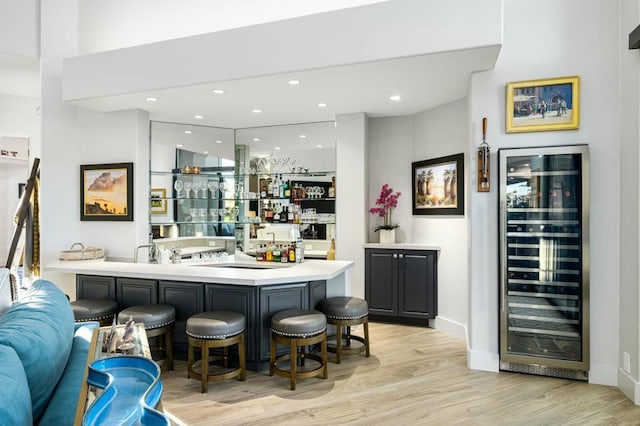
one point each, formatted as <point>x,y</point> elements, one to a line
<point>270,189</point>
<point>292,252</point>
<point>332,188</point>
<point>284,215</point>
<point>290,214</point>
<point>276,254</point>
<point>276,214</point>
<point>287,189</point>
<point>331,254</point>
<point>269,253</point>
<point>284,256</point>
<point>260,254</point>
<point>263,188</point>
<point>276,187</point>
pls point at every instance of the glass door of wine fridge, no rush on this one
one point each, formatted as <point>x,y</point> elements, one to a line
<point>544,265</point>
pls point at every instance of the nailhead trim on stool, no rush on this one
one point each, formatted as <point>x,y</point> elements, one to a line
<point>298,328</point>
<point>158,321</point>
<point>215,329</point>
<point>102,310</point>
<point>343,312</point>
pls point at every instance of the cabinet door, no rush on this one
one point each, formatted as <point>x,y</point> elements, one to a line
<point>239,299</point>
<point>136,291</point>
<point>187,299</point>
<point>317,293</point>
<point>417,284</point>
<point>381,282</point>
<point>277,298</point>
<point>95,287</point>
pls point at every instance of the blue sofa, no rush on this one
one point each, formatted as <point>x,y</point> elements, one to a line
<point>43,354</point>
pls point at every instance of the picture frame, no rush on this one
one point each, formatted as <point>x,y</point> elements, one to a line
<point>158,201</point>
<point>106,192</point>
<point>543,105</point>
<point>438,186</point>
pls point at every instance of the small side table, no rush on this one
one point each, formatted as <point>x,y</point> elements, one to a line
<point>89,393</point>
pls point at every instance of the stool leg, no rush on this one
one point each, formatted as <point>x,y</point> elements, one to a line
<point>348,335</point>
<point>205,367</point>
<point>189,360</point>
<point>241,358</point>
<point>294,362</point>
<point>225,357</point>
<point>323,349</point>
<point>338,341</point>
<point>366,336</point>
<point>272,358</point>
<point>168,341</point>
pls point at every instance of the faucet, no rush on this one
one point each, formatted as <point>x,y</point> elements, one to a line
<point>273,236</point>
<point>176,255</point>
<point>152,253</point>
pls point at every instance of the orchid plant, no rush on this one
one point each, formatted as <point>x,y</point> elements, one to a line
<point>385,203</point>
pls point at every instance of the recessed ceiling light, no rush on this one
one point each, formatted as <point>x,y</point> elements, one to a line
<point>218,91</point>
<point>322,104</point>
<point>152,99</point>
<point>218,141</point>
<point>205,152</point>
<point>277,148</point>
<point>256,139</point>
<point>394,98</point>
<point>303,136</point>
<point>294,82</point>
<point>318,146</point>
<point>198,117</point>
<point>256,111</point>
<point>187,132</point>
<point>179,145</point>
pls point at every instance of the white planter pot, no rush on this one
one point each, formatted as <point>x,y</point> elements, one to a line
<point>387,236</point>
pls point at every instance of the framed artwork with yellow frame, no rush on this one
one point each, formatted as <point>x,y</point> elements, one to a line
<point>543,105</point>
<point>158,201</point>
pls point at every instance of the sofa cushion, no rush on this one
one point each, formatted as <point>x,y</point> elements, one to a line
<point>39,327</point>
<point>5,290</point>
<point>15,401</point>
<point>62,406</point>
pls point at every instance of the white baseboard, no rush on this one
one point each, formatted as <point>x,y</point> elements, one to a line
<point>603,374</point>
<point>484,361</point>
<point>451,328</point>
<point>629,386</point>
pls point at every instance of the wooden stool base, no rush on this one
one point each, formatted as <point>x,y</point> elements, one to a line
<point>165,347</point>
<point>294,343</point>
<point>343,347</point>
<point>200,370</point>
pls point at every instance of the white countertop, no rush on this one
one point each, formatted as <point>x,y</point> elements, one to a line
<point>402,246</point>
<point>309,270</point>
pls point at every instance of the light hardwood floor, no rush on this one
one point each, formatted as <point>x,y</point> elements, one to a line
<point>415,376</point>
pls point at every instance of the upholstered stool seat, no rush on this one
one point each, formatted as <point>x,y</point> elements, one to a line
<point>215,329</point>
<point>101,310</point>
<point>298,328</point>
<point>343,312</point>
<point>158,322</point>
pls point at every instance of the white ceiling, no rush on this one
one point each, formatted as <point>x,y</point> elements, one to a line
<point>422,82</point>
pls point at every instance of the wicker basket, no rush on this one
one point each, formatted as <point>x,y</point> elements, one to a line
<point>89,253</point>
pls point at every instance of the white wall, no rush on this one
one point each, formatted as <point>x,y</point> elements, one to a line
<point>579,38</point>
<point>19,27</point>
<point>393,144</point>
<point>73,136</point>
<point>629,333</point>
<point>122,23</point>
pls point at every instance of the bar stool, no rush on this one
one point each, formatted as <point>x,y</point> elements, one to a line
<point>343,312</point>
<point>215,329</point>
<point>158,322</point>
<point>298,328</point>
<point>101,310</point>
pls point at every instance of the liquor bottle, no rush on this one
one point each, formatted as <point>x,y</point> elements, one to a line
<point>284,256</point>
<point>276,254</point>
<point>299,249</point>
<point>270,189</point>
<point>294,192</point>
<point>287,190</point>
<point>269,253</point>
<point>263,189</point>
<point>292,252</point>
<point>269,214</point>
<point>332,188</point>
<point>259,254</point>
<point>284,215</point>
<point>276,215</point>
<point>290,213</point>
<point>276,187</point>
<point>331,254</point>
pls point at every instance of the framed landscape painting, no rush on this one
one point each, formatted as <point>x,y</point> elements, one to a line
<point>438,186</point>
<point>106,192</point>
<point>541,105</point>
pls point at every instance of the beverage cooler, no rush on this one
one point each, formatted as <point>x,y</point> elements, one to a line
<point>544,263</point>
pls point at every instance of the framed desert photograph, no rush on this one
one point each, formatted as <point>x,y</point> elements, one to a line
<point>541,105</point>
<point>438,186</point>
<point>106,192</point>
<point>158,201</point>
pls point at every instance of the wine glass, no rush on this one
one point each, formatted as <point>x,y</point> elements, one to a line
<point>177,185</point>
<point>192,213</point>
<point>196,188</point>
<point>214,214</point>
<point>213,187</point>
<point>187,187</point>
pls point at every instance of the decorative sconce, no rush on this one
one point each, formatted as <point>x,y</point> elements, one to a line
<point>484,161</point>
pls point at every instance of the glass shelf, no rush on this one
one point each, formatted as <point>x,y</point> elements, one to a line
<point>228,222</point>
